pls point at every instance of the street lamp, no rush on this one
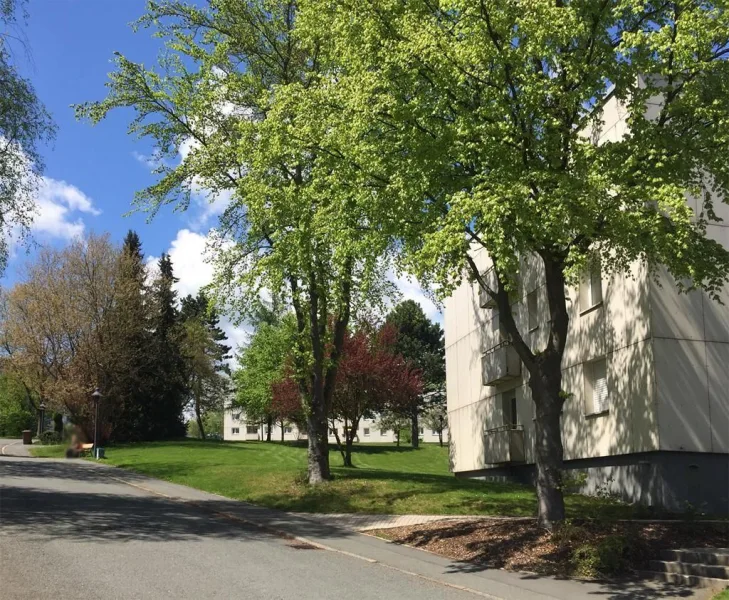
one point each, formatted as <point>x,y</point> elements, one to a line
<point>41,420</point>
<point>96,396</point>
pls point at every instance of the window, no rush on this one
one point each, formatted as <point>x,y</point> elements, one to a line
<point>591,288</point>
<point>332,431</point>
<point>532,308</point>
<point>251,429</point>
<point>288,430</point>
<point>235,430</point>
<point>421,431</point>
<point>265,430</point>
<point>383,432</point>
<point>508,405</point>
<point>433,432</point>
<point>596,387</point>
<point>366,431</point>
<point>236,416</point>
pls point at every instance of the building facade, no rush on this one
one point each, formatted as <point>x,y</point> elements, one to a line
<point>236,428</point>
<point>646,370</point>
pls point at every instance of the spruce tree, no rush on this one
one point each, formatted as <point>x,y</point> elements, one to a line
<point>129,327</point>
<point>165,418</point>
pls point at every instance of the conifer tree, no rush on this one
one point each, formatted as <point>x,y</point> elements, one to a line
<point>164,415</point>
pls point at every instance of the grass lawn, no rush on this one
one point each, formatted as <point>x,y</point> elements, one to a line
<point>386,479</point>
<point>722,595</point>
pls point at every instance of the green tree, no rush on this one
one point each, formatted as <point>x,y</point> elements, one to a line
<point>24,124</point>
<point>15,412</point>
<point>165,410</point>
<point>129,326</point>
<point>419,341</point>
<point>478,124</point>
<point>295,225</point>
<point>435,413</point>
<point>394,421</point>
<point>205,370</point>
<point>261,363</point>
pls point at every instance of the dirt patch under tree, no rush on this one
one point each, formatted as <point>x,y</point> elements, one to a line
<point>579,548</point>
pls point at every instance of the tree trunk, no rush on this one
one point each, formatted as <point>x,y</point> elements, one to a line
<point>349,438</point>
<point>545,380</point>
<point>269,427</point>
<point>282,432</point>
<point>548,400</point>
<point>318,450</point>
<point>414,428</point>
<point>317,426</point>
<point>198,417</point>
<point>397,438</point>
<point>339,444</point>
<point>440,438</point>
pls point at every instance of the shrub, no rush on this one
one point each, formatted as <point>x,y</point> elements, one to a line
<point>609,556</point>
<point>49,438</point>
<point>569,534</point>
<point>586,561</point>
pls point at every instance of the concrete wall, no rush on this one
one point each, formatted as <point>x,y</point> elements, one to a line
<point>618,329</point>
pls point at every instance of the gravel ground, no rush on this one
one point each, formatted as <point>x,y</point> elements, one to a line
<point>522,546</point>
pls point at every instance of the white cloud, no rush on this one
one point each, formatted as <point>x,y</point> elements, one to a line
<point>411,289</point>
<point>188,254</point>
<point>59,206</point>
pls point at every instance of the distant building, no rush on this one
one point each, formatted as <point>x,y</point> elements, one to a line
<point>236,428</point>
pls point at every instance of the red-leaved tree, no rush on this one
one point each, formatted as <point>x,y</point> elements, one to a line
<point>372,378</point>
<point>286,404</point>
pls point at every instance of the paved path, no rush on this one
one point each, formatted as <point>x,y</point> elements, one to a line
<point>76,529</point>
<point>13,447</point>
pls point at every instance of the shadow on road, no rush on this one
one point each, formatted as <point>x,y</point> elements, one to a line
<point>82,503</point>
<point>78,509</point>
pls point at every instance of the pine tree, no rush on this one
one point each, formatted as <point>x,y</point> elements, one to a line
<point>164,417</point>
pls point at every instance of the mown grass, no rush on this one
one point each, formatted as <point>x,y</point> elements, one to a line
<point>386,479</point>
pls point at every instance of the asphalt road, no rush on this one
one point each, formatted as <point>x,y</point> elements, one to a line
<point>69,531</point>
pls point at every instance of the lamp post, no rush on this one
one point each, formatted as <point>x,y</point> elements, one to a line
<point>42,410</point>
<point>96,395</point>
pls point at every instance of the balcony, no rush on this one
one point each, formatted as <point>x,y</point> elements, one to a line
<point>500,364</point>
<point>504,444</point>
<point>493,334</point>
<point>484,300</point>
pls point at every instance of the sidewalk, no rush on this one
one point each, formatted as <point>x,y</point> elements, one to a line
<point>365,522</point>
<point>328,533</point>
<point>11,447</point>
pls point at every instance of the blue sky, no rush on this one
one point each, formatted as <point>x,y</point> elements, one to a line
<point>92,173</point>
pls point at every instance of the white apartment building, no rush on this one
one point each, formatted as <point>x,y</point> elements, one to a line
<point>236,428</point>
<point>647,370</point>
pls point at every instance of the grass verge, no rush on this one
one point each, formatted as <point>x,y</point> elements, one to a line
<point>386,480</point>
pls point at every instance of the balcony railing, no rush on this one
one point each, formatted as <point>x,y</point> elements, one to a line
<point>504,444</point>
<point>500,364</point>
